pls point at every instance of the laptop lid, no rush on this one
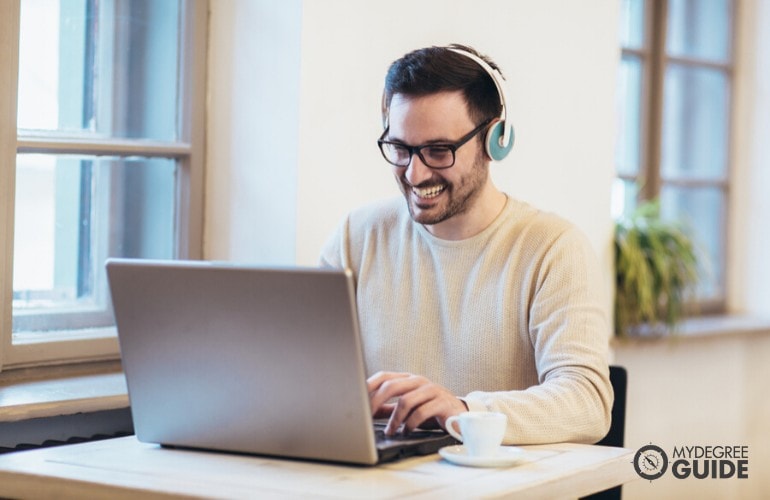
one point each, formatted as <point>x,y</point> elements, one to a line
<point>251,360</point>
<point>243,359</point>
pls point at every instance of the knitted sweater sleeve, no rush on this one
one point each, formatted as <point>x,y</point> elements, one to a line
<point>567,329</point>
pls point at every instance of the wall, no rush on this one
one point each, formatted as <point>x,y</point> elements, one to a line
<point>253,128</point>
<point>280,178</point>
<point>562,160</point>
<point>699,392</point>
<point>749,284</point>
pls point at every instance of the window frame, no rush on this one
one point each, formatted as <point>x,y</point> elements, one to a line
<point>649,179</point>
<point>98,343</point>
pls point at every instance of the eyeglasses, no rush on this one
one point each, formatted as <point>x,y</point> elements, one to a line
<point>436,155</point>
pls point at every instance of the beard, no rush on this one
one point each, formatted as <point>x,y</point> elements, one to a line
<point>455,198</point>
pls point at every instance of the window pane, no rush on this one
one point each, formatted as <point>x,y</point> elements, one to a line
<point>72,212</point>
<point>632,23</point>
<point>624,196</point>
<point>105,68</point>
<point>699,29</point>
<point>695,120</point>
<point>702,210</point>
<point>629,115</point>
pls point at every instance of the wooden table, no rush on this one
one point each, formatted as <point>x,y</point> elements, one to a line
<point>126,468</point>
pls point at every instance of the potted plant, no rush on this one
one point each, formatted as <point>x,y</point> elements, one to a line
<point>656,269</point>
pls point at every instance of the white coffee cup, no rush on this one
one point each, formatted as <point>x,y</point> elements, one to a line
<point>480,431</point>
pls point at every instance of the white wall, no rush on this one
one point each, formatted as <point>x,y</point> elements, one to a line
<point>560,57</point>
<point>708,391</point>
<point>253,125</point>
<point>562,159</point>
<point>749,240</point>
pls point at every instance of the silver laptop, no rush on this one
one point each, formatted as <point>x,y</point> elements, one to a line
<point>249,360</point>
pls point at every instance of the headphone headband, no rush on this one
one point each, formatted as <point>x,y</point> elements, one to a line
<point>497,78</point>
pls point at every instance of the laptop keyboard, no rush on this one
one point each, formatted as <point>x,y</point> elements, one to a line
<point>402,445</point>
<point>401,437</point>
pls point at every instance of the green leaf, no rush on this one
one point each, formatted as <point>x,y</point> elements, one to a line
<point>656,267</point>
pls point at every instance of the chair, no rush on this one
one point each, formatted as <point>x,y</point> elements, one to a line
<point>616,435</point>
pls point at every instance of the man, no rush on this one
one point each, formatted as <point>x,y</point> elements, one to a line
<point>468,299</point>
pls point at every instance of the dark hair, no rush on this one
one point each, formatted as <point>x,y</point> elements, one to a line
<point>439,69</point>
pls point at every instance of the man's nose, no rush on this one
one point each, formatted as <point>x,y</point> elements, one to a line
<point>417,171</point>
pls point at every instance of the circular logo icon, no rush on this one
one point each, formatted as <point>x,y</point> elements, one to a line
<point>650,462</point>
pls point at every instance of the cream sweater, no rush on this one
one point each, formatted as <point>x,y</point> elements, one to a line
<point>510,320</point>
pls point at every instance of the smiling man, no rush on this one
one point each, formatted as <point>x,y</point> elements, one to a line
<point>449,191</point>
<point>469,299</point>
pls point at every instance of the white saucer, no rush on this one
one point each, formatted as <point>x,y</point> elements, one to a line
<point>506,456</point>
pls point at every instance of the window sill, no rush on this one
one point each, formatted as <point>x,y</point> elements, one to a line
<point>704,327</point>
<point>35,393</point>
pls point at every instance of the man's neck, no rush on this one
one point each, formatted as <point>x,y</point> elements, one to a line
<point>462,226</point>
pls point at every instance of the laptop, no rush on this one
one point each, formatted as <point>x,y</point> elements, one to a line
<point>246,359</point>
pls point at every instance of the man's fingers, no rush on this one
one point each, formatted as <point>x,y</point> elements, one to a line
<point>418,400</point>
<point>384,411</point>
<point>393,387</point>
<point>430,409</point>
<point>375,381</point>
<point>407,405</point>
<point>430,403</point>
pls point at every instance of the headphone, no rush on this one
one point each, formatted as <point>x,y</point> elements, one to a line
<point>499,137</point>
<point>498,141</point>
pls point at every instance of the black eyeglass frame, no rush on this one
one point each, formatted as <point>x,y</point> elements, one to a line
<point>451,146</point>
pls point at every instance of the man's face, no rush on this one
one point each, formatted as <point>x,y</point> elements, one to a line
<point>435,196</point>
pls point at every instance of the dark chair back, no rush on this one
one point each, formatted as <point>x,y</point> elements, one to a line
<point>616,435</point>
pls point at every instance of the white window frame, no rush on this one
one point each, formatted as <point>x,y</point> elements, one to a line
<point>97,343</point>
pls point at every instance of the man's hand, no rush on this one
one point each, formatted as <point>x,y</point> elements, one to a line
<point>418,400</point>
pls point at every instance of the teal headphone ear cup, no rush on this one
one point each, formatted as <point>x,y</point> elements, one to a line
<point>493,139</point>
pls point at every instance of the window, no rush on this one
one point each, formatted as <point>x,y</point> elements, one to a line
<point>105,159</point>
<point>674,92</point>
